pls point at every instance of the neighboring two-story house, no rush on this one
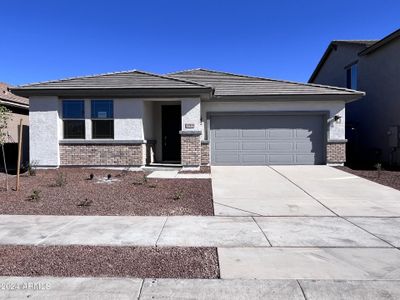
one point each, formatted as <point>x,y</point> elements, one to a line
<point>373,123</point>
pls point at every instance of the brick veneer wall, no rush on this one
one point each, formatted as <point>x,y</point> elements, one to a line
<point>336,152</point>
<point>190,149</point>
<point>205,153</point>
<point>102,154</point>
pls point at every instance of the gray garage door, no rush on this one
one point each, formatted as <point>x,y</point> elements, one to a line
<point>267,139</point>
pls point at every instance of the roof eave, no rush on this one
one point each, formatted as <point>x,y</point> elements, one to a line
<point>380,43</point>
<point>14,104</point>
<point>112,92</point>
<point>291,97</point>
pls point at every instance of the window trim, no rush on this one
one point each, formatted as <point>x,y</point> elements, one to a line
<point>73,119</point>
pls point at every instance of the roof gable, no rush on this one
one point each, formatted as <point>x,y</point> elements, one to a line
<point>228,84</point>
<point>333,46</point>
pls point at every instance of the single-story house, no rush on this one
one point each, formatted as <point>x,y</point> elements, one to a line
<point>19,109</point>
<point>192,118</point>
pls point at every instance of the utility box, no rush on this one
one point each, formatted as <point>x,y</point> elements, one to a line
<point>393,134</point>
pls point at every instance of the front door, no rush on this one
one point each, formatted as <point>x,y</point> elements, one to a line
<point>171,138</point>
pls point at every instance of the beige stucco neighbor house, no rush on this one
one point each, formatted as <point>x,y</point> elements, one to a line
<point>191,118</point>
<point>373,123</point>
<point>19,109</point>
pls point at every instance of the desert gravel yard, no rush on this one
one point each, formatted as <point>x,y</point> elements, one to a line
<point>388,178</point>
<point>101,261</point>
<point>70,191</point>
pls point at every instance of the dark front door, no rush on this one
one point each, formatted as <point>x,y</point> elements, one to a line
<point>171,139</point>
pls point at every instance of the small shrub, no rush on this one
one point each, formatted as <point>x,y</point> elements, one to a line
<point>178,195</point>
<point>31,167</point>
<point>91,176</point>
<point>109,177</point>
<point>35,196</point>
<point>61,180</point>
<point>378,168</point>
<point>85,203</point>
<point>152,185</point>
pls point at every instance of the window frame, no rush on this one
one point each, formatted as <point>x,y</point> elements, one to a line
<point>94,118</point>
<point>83,119</point>
<point>352,76</point>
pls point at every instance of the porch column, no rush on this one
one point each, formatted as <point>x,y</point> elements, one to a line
<point>191,133</point>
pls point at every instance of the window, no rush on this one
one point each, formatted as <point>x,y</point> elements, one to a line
<point>102,119</point>
<point>73,119</point>
<point>351,77</point>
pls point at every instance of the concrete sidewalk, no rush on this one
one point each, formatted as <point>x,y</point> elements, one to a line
<point>126,288</point>
<point>199,231</point>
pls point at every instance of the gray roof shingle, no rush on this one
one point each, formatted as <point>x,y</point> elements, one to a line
<point>6,97</point>
<point>118,80</point>
<point>228,84</point>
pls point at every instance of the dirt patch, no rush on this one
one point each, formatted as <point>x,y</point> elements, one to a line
<point>203,170</point>
<point>388,178</point>
<point>139,262</point>
<point>69,191</point>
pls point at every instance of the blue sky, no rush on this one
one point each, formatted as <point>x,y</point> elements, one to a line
<point>47,39</point>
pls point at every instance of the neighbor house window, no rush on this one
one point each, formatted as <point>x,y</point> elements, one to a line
<point>351,77</point>
<point>73,119</point>
<point>102,119</point>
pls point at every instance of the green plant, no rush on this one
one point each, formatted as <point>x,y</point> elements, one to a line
<point>5,115</point>
<point>32,166</point>
<point>85,203</point>
<point>35,196</point>
<point>178,195</point>
<point>61,180</point>
<point>378,167</point>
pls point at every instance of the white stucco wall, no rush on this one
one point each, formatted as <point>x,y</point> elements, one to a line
<point>149,122</point>
<point>191,113</point>
<point>128,123</point>
<point>44,130</point>
<point>336,130</point>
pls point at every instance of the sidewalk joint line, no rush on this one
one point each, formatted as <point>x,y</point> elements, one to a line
<point>140,289</point>
<point>343,218</point>
<point>162,228</point>
<point>302,290</point>
<point>262,231</point>
<point>247,211</point>
<point>57,231</point>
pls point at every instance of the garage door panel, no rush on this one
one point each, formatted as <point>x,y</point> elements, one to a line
<point>227,145</point>
<point>248,145</point>
<point>281,159</point>
<point>254,133</point>
<point>305,159</point>
<point>267,139</point>
<point>280,134</point>
<point>227,133</point>
<point>303,147</point>
<point>228,158</point>
<point>252,159</point>
<point>285,147</point>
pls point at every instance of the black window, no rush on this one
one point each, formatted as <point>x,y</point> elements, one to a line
<point>102,119</point>
<point>73,119</point>
<point>351,77</point>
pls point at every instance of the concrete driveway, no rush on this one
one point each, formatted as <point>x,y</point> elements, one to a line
<point>321,223</point>
<point>299,191</point>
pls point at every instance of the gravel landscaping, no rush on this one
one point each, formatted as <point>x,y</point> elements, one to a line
<point>388,178</point>
<point>138,262</point>
<point>70,191</point>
